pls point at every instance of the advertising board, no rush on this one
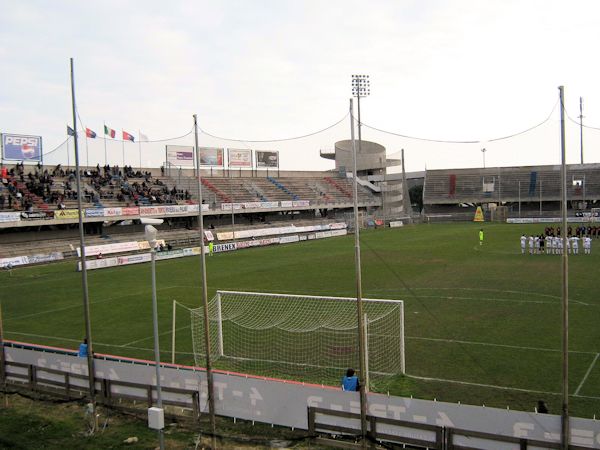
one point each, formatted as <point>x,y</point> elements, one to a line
<point>239,158</point>
<point>180,155</point>
<point>211,156</point>
<point>19,147</point>
<point>267,159</point>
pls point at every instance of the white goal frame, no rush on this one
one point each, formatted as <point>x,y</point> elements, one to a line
<point>220,350</point>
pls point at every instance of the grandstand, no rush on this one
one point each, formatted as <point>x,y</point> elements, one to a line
<point>531,191</point>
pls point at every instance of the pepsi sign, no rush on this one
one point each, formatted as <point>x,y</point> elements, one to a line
<point>18,147</point>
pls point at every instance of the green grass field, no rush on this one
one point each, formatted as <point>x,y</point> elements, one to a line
<point>483,324</point>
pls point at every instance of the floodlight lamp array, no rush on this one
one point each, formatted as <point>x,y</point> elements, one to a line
<point>361,86</point>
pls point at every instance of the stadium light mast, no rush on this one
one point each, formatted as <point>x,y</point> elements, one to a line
<point>360,88</point>
<point>86,301</point>
<point>483,150</point>
<point>209,374</point>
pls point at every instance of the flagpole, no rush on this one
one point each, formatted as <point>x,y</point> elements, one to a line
<point>87,153</point>
<point>68,159</point>
<point>123,145</point>
<point>105,158</point>
<point>140,142</point>
<point>86,303</point>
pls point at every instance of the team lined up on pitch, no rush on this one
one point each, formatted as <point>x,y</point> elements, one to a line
<point>554,245</point>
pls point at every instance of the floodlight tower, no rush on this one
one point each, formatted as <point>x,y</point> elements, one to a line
<point>483,150</point>
<point>360,88</point>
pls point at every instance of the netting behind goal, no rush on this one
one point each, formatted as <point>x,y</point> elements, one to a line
<point>307,338</point>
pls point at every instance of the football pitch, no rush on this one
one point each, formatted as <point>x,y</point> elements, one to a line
<point>483,323</point>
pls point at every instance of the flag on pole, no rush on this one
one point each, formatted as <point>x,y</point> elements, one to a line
<point>89,133</point>
<point>109,132</point>
<point>128,137</point>
<point>70,131</point>
<point>143,137</point>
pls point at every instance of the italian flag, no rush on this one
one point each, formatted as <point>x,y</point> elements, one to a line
<point>109,132</point>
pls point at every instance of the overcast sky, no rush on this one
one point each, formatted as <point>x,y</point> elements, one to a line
<point>260,70</point>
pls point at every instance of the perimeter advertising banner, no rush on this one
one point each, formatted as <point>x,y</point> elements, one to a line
<point>211,156</point>
<point>239,158</point>
<point>180,155</point>
<point>18,147</point>
<point>267,159</point>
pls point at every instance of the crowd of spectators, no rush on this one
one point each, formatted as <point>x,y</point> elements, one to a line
<point>22,191</point>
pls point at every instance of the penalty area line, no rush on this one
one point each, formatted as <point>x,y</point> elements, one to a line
<point>587,374</point>
<point>493,386</point>
<point>150,337</point>
<point>516,347</point>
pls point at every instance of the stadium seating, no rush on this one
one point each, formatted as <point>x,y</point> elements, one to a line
<point>106,187</point>
<point>509,185</point>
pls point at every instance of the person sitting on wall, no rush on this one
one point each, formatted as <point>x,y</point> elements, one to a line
<point>350,381</point>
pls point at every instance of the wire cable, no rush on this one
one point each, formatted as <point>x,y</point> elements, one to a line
<point>275,140</point>
<point>478,141</point>
<point>139,139</point>
<point>57,147</point>
<point>580,124</point>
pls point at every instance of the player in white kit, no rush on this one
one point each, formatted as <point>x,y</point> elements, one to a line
<point>587,245</point>
<point>523,243</point>
<point>559,245</point>
<point>531,244</point>
<point>575,245</point>
<point>549,246</point>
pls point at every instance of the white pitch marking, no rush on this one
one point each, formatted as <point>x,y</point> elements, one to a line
<point>517,347</point>
<point>587,374</point>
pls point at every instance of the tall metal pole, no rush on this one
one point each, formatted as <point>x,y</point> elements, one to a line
<point>87,152</point>
<point>359,306</point>
<point>581,127</point>
<point>86,301</point>
<point>232,210</point>
<point>209,374</point>
<point>483,150</point>
<point>565,283</point>
<point>161,436</point>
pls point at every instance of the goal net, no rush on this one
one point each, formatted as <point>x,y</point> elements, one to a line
<point>307,338</point>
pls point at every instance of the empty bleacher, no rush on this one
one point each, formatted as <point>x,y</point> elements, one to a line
<point>510,184</point>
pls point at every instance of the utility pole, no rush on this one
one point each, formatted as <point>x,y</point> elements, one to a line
<point>565,429</point>
<point>209,374</point>
<point>483,150</point>
<point>84,281</point>
<point>581,127</point>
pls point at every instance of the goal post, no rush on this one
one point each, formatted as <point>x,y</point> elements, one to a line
<point>306,337</point>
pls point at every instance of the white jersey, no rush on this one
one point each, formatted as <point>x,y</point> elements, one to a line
<point>523,241</point>
<point>575,242</point>
<point>531,242</point>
